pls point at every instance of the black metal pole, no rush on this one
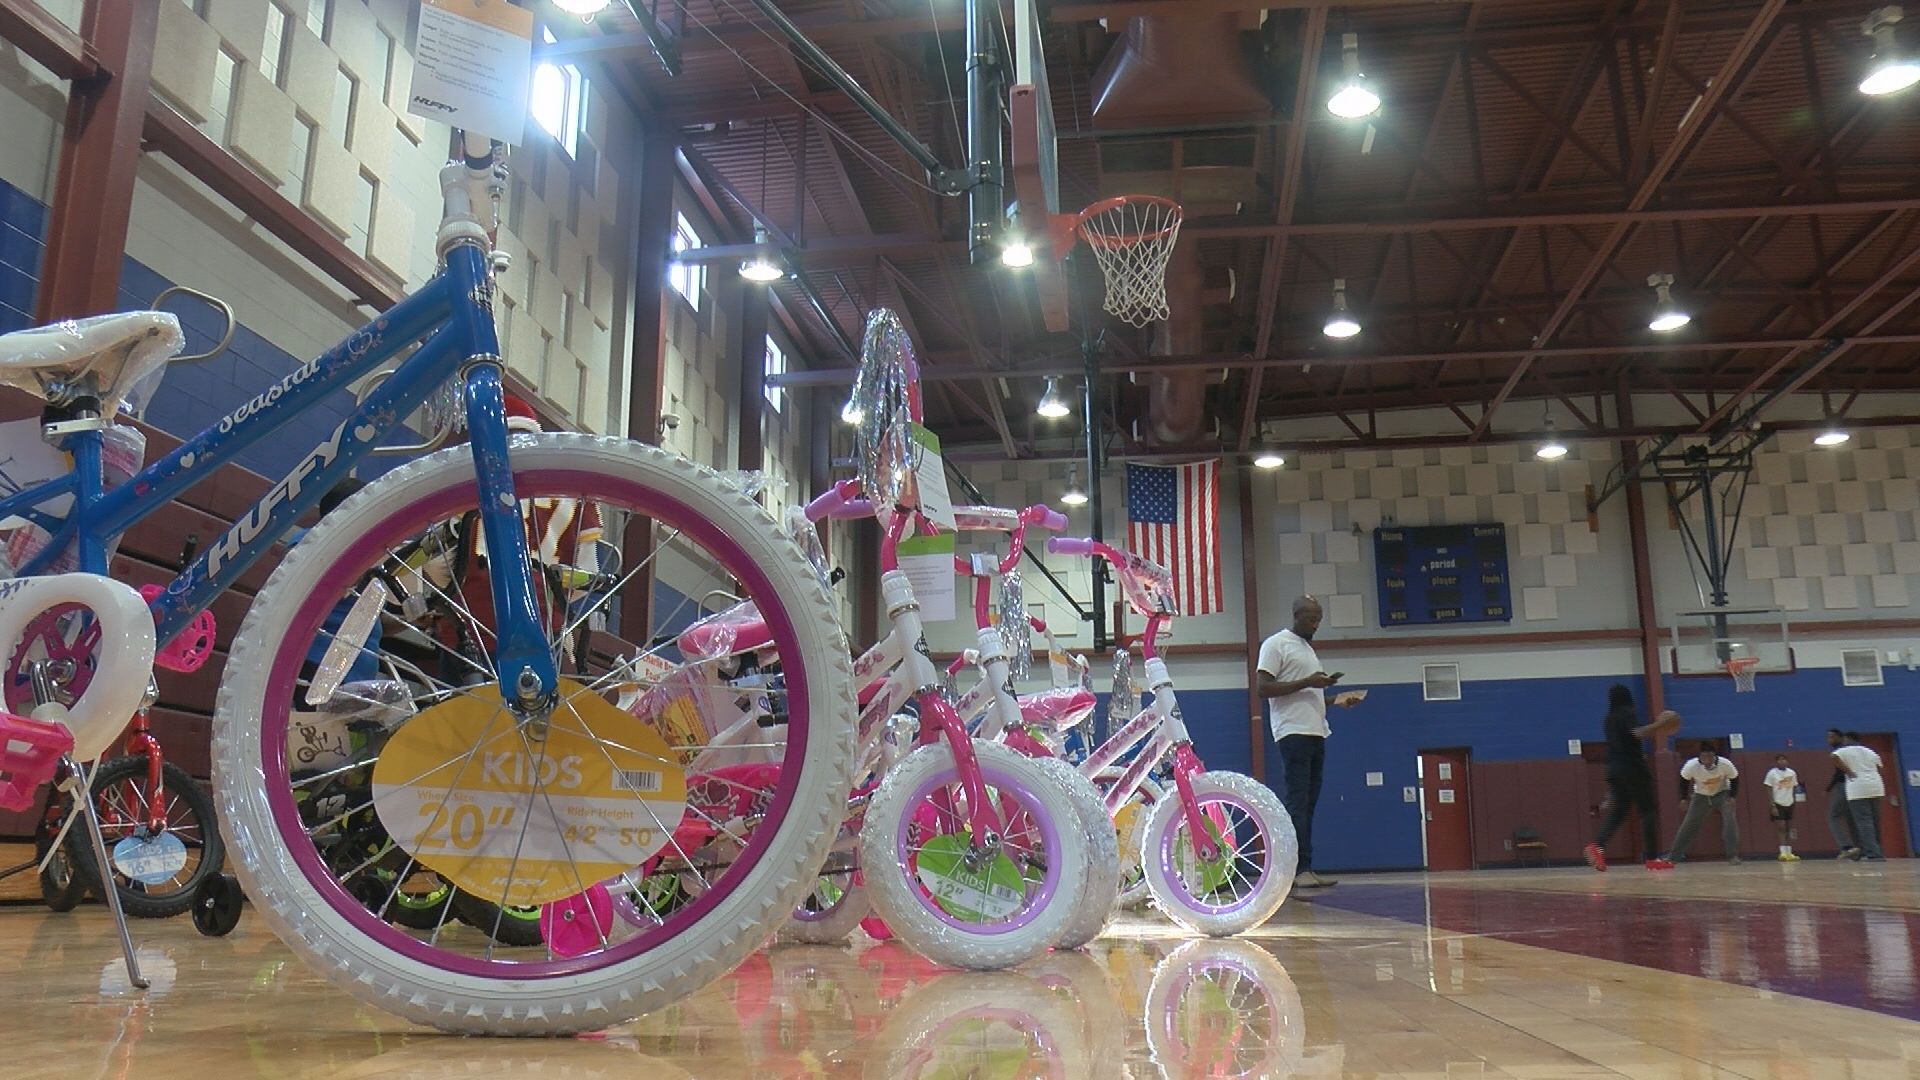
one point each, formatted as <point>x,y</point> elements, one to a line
<point>1090,413</point>
<point>986,199</point>
<point>847,85</point>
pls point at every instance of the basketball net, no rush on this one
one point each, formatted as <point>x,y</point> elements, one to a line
<point>1132,238</point>
<point>1743,670</point>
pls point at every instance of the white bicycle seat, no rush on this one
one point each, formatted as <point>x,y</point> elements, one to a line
<point>104,356</point>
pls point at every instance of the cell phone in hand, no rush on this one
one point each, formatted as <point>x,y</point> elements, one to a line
<point>1335,676</point>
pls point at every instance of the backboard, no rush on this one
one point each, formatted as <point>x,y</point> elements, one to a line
<point>1701,641</point>
<point>1035,161</point>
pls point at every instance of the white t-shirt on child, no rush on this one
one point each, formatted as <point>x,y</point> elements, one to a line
<point>1782,782</point>
<point>1708,781</point>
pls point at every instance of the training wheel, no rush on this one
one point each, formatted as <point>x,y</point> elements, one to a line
<point>216,905</point>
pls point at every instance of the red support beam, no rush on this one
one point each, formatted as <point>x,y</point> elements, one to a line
<point>99,156</point>
<point>48,41</point>
<point>652,225</point>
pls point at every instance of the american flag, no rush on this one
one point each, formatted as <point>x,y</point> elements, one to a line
<point>1173,518</point>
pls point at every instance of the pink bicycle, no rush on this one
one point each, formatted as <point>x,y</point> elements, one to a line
<point>1220,856</point>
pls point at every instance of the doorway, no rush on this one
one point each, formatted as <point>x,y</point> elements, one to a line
<point>1893,808</point>
<point>1445,812</point>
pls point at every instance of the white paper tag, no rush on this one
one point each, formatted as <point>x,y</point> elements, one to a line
<point>930,480</point>
<point>473,66</point>
<point>928,563</point>
<point>1345,696</point>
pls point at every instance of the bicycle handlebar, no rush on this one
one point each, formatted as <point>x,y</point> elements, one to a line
<point>834,500</point>
<point>1069,545</point>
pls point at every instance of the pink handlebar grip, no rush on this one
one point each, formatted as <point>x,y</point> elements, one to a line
<point>854,509</point>
<point>832,499</point>
<point>1052,520</point>
<point>1069,545</point>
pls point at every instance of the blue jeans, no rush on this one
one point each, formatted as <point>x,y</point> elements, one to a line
<point>1302,758</point>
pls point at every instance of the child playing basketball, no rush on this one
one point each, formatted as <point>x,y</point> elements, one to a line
<point>1629,781</point>
<point>1781,781</point>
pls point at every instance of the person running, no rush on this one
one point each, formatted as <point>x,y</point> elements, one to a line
<point>1782,782</point>
<point>1864,789</point>
<point>1839,818</point>
<point>1712,777</point>
<point>1629,781</point>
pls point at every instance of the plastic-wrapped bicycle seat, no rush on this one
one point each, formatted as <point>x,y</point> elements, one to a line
<point>738,629</point>
<point>1059,708</point>
<point>107,356</point>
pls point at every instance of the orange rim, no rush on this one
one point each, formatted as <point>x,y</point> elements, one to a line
<point>1117,241</point>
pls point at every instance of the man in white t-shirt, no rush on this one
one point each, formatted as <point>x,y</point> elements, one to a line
<point>1865,789</point>
<point>1291,679</point>
<point>1782,781</point>
<point>1712,777</point>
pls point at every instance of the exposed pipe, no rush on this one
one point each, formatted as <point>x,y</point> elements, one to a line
<point>986,117</point>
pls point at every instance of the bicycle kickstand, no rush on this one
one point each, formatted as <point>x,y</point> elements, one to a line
<point>83,799</point>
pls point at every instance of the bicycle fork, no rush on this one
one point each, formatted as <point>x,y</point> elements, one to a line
<point>938,720</point>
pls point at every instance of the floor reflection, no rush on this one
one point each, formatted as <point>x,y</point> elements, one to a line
<point>1497,984</point>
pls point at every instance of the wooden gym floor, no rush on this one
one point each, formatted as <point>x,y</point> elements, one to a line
<point>1762,970</point>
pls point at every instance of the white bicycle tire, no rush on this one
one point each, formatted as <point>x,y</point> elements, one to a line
<point>1051,1039</point>
<point>895,893</point>
<point>1133,887</point>
<point>1102,890</point>
<point>461,1002</point>
<point>1283,856</point>
<point>1280,1024</point>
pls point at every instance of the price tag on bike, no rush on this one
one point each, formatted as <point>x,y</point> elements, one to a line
<point>930,479</point>
<point>502,813</point>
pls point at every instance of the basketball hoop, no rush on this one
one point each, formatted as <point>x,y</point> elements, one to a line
<point>1132,237</point>
<point>1742,668</point>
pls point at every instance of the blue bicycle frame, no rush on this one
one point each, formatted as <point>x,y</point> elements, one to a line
<point>451,317</point>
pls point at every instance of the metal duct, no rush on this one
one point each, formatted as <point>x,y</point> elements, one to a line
<point>1185,72</point>
<point>1177,403</point>
<point>1189,70</point>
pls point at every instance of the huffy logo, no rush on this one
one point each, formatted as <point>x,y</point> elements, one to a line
<point>426,102</point>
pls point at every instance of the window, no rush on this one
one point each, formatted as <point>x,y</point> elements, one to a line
<point>365,196</point>
<point>273,54</point>
<point>301,147</point>
<point>689,279</point>
<point>1861,667</point>
<point>559,101</point>
<point>1440,682</point>
<point>389,50</point>
<point>346,99</point>
<point>320,18</point>
<point>776,365</point>
<point>226,83</point>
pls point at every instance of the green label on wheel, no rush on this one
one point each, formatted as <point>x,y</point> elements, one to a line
<point>993,890</point>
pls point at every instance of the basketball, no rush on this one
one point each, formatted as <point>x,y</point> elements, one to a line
<point>1666,723</point>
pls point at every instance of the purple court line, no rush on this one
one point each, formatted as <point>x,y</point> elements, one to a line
<point>1859,957</point>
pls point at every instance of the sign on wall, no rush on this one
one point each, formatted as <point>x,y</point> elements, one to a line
<point>1442,574</point>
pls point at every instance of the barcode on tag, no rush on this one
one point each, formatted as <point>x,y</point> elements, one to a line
<point>643,780</point>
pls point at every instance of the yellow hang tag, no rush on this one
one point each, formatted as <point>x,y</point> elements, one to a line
<point>531,820</point>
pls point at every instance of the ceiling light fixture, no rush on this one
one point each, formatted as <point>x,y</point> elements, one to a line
<point>1551,448</point>
<point>1052,405</point>
<point>586,9</point>
<point>852,414</point>
<point>1890,70</point>
<point>761,269</point>
<point>1016,253</point>
<point>1667,315</point>
<point>1268,459</point>
<point>1341,323</point>
<point>1835,435</point>
<point>1355,98</point>
<point>1075,495</point>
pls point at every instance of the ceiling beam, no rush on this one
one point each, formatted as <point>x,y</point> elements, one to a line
<point>724,38</point>
<point>1313,37</point>
<point>941,366</point>
<point>832,251</point>
<point>1731,77</point>
<point>34,31</point>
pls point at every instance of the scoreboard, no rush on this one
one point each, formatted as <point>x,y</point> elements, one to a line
<point>1442,574</point>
